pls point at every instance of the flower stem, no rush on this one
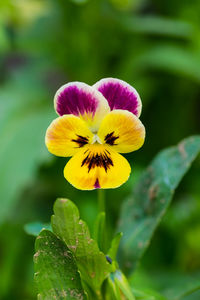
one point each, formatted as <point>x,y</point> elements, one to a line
<point>101,200</point>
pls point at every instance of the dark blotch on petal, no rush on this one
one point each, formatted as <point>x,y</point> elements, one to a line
<point>110,138</point>
<point>81,140</point>
<point>101,160</point>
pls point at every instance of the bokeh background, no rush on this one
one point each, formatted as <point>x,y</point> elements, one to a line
<point>152,44</point>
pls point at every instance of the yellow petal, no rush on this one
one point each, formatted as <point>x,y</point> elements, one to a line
<point>66,135</point>
<point>122,130</point>
<point>97,166</point>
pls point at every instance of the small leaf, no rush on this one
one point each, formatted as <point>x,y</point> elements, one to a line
<point>92,263</point>
<point>99,230</point>
<point>34,228</point>
<point>143,211</point>
<point>112,291</point>
<point>56,274</point>
<point>122,283</point>
<point>115,245</point>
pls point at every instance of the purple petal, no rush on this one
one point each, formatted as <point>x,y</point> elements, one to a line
<point>80,99</point>
<point>76,99</point>
<point>120,95</point>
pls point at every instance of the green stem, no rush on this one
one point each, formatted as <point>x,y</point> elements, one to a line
<point>102,208</point>
<point>101,200</point>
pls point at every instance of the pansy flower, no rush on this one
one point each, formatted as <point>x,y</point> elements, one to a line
<point>95,124</point>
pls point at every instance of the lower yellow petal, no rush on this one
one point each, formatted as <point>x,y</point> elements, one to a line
<point>97,166</point>
<point>66,135</point>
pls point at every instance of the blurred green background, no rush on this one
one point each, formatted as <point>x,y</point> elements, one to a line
<point>152,44</point>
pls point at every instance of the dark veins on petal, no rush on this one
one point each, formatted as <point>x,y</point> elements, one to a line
<point>101,160</point>
<point>110,138</point>
<point>81,140</point>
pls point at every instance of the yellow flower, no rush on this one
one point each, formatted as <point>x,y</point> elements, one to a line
<point>95,124</point>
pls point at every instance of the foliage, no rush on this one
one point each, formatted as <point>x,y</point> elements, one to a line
<point>143,211</point>
<point>91,262</point>
<point>153,45</point>
<point>139,219</point>
<point>56,272</point>
<point>22,124</point>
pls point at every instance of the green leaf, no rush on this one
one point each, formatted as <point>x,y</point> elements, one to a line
<point>99,230</point>
<point>115,245</point>
<point>178,286</point>
<point>79,1</point>
<point>147,295</point>
<point>117,287</point>
<point>112,252</point>
<point>112,291</point>
<point>122,283</point>
<point>92,263</point>
<point>25,116</point>
<point>186,291</point>
<point>156,25</point>
<point>35,228</point>
<point>170,58</point>
<point>56,274</point>
<point>142,212</point>
<point>4,42</point>
<point>171,284</point>
<point>13,244</point>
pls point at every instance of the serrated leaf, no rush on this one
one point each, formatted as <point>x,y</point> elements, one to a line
<point>142,212</point>
<point>74,232</point>
<point>56,274</point>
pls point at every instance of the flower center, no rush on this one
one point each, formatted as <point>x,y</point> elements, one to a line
<point>96,139</point>
<point>109,139</point>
